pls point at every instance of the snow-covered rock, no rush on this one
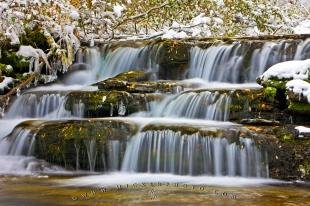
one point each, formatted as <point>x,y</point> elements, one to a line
<point>297,69</point>
<point>300,88</point>
<point>5,83</point>
<point>303,131</point>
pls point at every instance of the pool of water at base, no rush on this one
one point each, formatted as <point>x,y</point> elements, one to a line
<point>37,191</point>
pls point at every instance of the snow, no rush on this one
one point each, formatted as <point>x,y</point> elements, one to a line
<point>201,19</point>
<point>172,34</point>
<point>75,15</point>
<point>299,87</point>
<point>302,129</point>
<point>6,81</point>
<point>118,9</point>
<point>34,55</point>
<point>303,27</point>
<point>297,69</point>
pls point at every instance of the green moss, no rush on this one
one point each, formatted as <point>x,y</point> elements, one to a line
<point>131,76</point>
<point>270,93</point>
<point>299,107</point>
<point>19,64</point>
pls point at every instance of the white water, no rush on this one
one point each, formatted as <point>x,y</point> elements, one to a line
<point>116,179</point>
<point>194,105</point>
<point>170,152</point>
<point>216,156</point>
<point>107,62</point>
<point>38,105</point>
<point>227,63</point>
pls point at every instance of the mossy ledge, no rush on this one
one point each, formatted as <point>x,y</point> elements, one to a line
<point>68,142</point>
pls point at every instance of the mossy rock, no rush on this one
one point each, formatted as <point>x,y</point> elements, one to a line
<point>136,82</point>
<point>108,103</point>
<point>132,76</point>
<point>299,108</point>
<point>287,155</point>
<point>68,143</point>
<point>273,82</point>
<point>173,60</point>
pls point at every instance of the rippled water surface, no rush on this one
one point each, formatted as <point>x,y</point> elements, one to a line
<point>33,191</point>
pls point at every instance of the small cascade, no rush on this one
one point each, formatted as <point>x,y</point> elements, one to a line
<point>91,153</point>
<point>20,142</point>
<point>43,105</point>
<point>114,149</point>
<point>217,63</point>
<point>195,105</point>
<point>108,61</point>
<point>35,105</point>
<point>171,152</point>
<point>230,63</point>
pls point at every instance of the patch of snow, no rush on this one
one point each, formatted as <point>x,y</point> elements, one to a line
<point>118,9</point>
<point>297,69</point>
<point>302,129</point>
<point>299,87</point>
<point>303,27</point>
<point>9,68</point>
<point>75,15</point>
<point>171,34</point>
<point>201,19</point>
<point>34,55</point>
<point>3,6</point>
<point>6,81</point>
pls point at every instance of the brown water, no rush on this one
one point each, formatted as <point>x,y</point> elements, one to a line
<point>33,191</point>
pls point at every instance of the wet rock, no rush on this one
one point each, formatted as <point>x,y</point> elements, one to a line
<point>137,82</point>
<point>288,157</point>
<point>79,144</point>
<point>259,122</point>
<point>173,60</point>
<point>107,103</point>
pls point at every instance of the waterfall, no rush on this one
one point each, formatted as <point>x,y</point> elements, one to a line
<point>197,105</point>
<point>20,142</point>
<point>171,152</point>
<point>230,63</point>
<point>109,61</point>
<point>217,63</point>
<point>43,105</point>
<point>114,149</point>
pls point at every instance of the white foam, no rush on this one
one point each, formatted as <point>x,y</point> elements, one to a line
<point>142,121</point>
<point>25,165</point>
<point>198,83</point>
<point>113,179</point>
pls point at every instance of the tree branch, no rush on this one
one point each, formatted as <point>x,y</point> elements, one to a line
<point>142,14</point>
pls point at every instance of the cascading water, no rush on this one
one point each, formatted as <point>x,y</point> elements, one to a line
<point>108,62</point>
<point>44,105</point>
<point>230,63</point>
<point>197,105</point>
<point>166,151</point>
<point>34,105</point>
<point>20,142</point>
<point>171,152</point>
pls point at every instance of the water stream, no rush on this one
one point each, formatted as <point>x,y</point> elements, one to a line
<point>167,152</point>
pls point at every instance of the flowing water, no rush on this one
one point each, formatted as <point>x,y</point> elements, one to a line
<point>218,169</point>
